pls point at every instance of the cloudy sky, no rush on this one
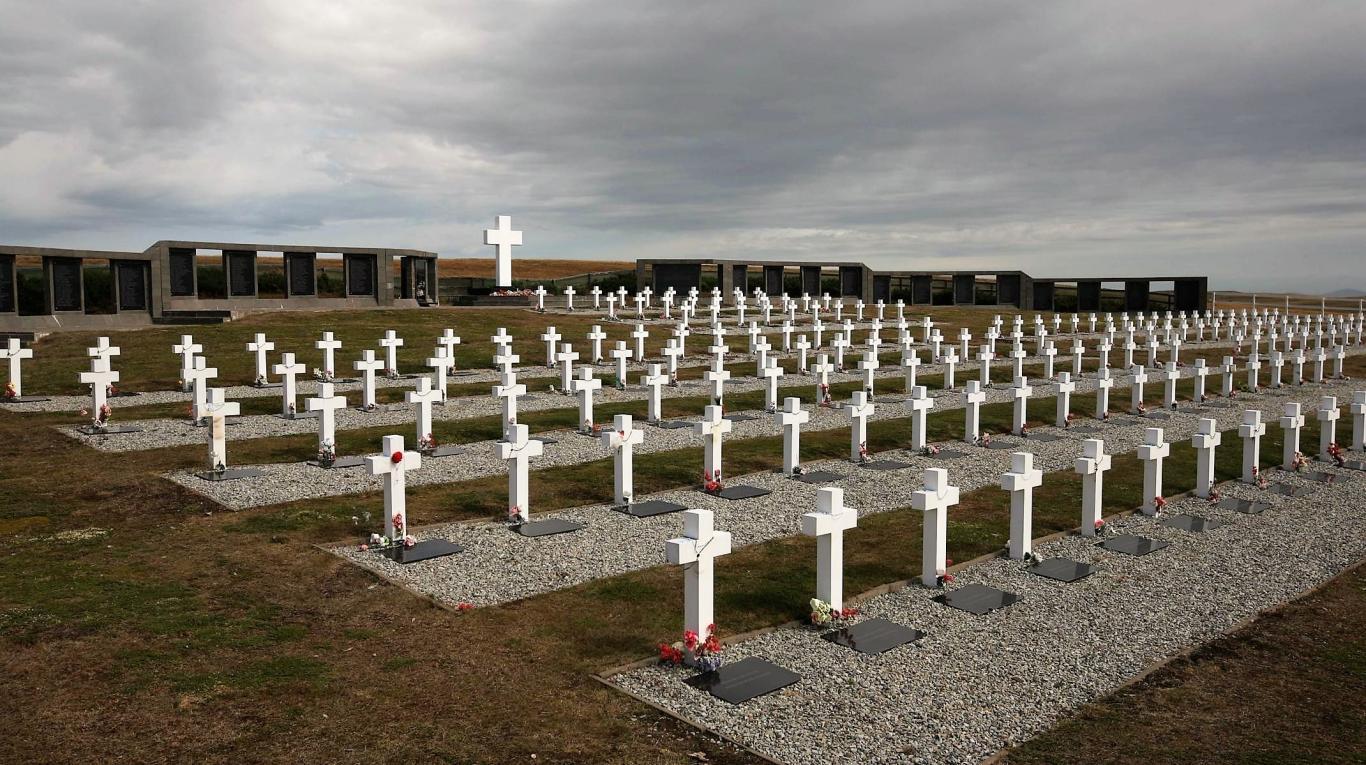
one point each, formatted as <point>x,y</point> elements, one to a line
<point>1063,139</point>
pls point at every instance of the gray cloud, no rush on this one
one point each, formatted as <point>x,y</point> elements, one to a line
<point>1061,138</point>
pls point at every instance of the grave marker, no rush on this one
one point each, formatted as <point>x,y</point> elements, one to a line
<point>1021,481</point>
<point>1091,466</point>
<point>1152,452</point>
<point>828,524</point>
<point>934,500</point>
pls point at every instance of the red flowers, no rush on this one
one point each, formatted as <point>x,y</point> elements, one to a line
<point>709,484</point>
<point>396,457</point>
<point>669,654</point>
<point>1159,502</point>
<point>463,607</point>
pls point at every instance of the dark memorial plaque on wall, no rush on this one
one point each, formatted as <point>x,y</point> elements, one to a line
<point>241,273</point>
<point>6,284</point>
<point>302,279</point>
<point>66,285</point>
<point>132,286</point>
<point>182,273</point>
<point>360,274</point>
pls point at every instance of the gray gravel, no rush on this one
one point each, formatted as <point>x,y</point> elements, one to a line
<point>976,684</point>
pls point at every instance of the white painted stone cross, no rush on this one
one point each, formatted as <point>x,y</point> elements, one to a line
<point>503,238</point>
<point>391,342</point>
<point>1152,452</point>
<point>1171,375</point>
<point>934,500</point>
<point>712,427</point>
<point>986,357</point>
<point>698,549</point>
<point>288,369</point>
<point>584,386</point>
<point>103,350</point>
<point>790,419</point>
<point>393,463</point>
<point>622,354</point>
<point>518,450</point>
<point>1291,423</point>
<point>186,350</point>
<point>919,405</point>
<point>100,377</point>
<point>1104,382</point>
<point>639,335</point>
<point>1359,421</point>
<point>569,298</point>
<point>447,340</point>
<point>859,410</point>
<point>1020,393</point>
<point>509,390</point>
<point>1064,398</point>
<point>15,353</point>
<point>653,380</point>
<point>828,524</point>
<point>440,364</point>
<point>1021,481</point>
<point>422,399</point>
<point>368,366</point>
<point>771,374</point>
<point>1251,431</point>
<point>910,361</point>
<point>596,336</point>
<point>1207,437</point>
<point>950,361</point>
<point>621,441</point>
<point>1327,414</point>
<point>567,357</point>
<point>199,381</point>
<point>218,410</point>
<point>550,338</point>
<point>329,345</point>
<point>326,405</point>
<point>973,398</point>
<point>1140,376</point>
<point>1091,466</point>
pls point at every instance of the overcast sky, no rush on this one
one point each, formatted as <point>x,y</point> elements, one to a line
<point>1064,139</point>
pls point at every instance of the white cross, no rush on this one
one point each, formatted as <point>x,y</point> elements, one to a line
<point>569,297</point>
<point>1021,481</point>
<point>770,375</point>
<point>518,450</point>
<point>1020,393</point>
<point>503,238</point>
<point>423,398</point>
<point>218,410</point>
<point>1151,453</point>
<point>654,381</point>
<point>509,390</point>
<point>540,294</point>
<point>393,463</point>
<point>611,306</point>
<point>447,340</point>
<point>1139,376</point>
<point>502,343</point>
<point>712,427</point>
<point>506,363</point>
<point>15,353</point>
<point>584,387</point>
<point>440,364</point>
<point>647,292</point>
<point>761,350</point>
<point>718,374</point>
<point>1251,431</point>
<point>1327,414</point>
<point>621,440</point>
<point>934,500</point>
<point>790,419</point>
<point>973,398</point>
<point>103,350</point>
<point>621,353</point>
<point>1359,421</point>
<point>910,361</point>
<point>859,410</point>
<point>869,366</point>
<point>1091,466</point>
<point>1171,375</point>
<point>920,405</point>
<point>368,366</point>
<point>186,350</point>
<point>803,347</point>
<point>100,377</point>
<point>950,361</point>
<point>329,345</point>
<point>639,300</point>
<point>839,343</point>
<point>391,342</point>
<point>288,369</point>
<point>326,405</point>
<point>672,351</point>
<point>822,368</point>
<point>550,338</point>
<point>698,549</point>
<point>985,356</point>
<point>596,292</point>
<point>566,358</point>
<point>596,336</point>
<point>828,524</point>
<point>639,335</point>
<point>199,379</point>
<point>1206,438</point>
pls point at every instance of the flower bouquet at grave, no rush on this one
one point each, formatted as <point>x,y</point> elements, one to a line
<point>983,440</point>
<point>391,374</point>
<point>707,652</point>
<point>323,375</point>
<point>1024,431</point>
<point>619,384</point>
<point>863,452</point>
<point>930,450</point>
<point>380,542</point>
<point>1335,453</point>
<point>327,454</point>
<point>589,428</point>
<point>1159,503</point>
<point>944,578</point>
<point>514,515</point>
<point>9,391</point>
<point>512,293</point>
<point>427,444</point>
<point>1067,422</point>
<point>1299,462</point>
<point>1213,497</point>
<point>111,390</point>
<point>1102,528</point>
<point>102,417</point>
<point>673,380</point>
<point>370,408</point>
<point>826,616</point>
<point>1142,409</point>
<point>1259,479</point>
<point>260,381</point>
<point>711,484</point>
<point>826,401</point>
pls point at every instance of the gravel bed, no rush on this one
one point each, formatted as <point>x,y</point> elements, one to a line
<point>975,684</point>
<point>499,565</point>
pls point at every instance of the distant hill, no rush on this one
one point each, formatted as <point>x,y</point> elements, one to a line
<point>1346,294</point>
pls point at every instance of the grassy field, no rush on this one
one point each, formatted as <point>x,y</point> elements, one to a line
<point>143,624</point>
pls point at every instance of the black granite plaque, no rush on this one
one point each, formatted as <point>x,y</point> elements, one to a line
<point>24,400</point>
<point>673,424</point>
<point>1354,465</point>
<point>1086,429</point>
<point>1062,569</point>
<point>874,636</point>
<point>818,476</point>
<point>360,274</point>
<point>1004,445</point>
<point>1243,505</point>
<point>1321,477</point>
<point>651,508</point>
<point>977,599</point>
<point>424,550</point>
<point>132,286</point>
<point>548,527</point>
<point>739,417</point>
<point>1217,405</point>
<point>1192,523</point>
<point>299,416</point>
<point>341,462</point>
<point>744,680</point>
<point>7,284</point>
<point>241,270</point>
<point>734,493</point>
<point>1286,490</point>
<point>544,440</point>
<point>884,465</point>
<point>67,294</point>
<point>1158,415</point>
<point>109,430</point>
<point>1131,544</point>
<point>181,267</point>
<point>1045,437</point>
<point>231,474</point>
<point>303,275</point>
<point>449,450</point>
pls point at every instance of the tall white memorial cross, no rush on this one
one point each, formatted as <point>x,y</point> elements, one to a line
<point>1152,452</point>
<point>567,356</point>
<point>1206,438</point>
<point>973,398</point>
<point>569,298</point>
<point>919,405</point>
<point>326,405</point>
<point>1251,431</point>
<point>503,239</point>
<point>288,369</point>
<point>1140,376</point>
<point>639,334</point>
<point>1021,481</point>
<point>440,364</point>
<point>329,345</point>
<point>712,427</point>
<point>1020,393</point>
<point>771,375</point>
<point>859,410</point>
<point>828,524</point>
<point>1171,375</point>
<point>622,354</point>
<point>803,347</point>
<point>596,336</point>
<point>186,350</point>
<point>1327,414</point>
<point>502,343</point>
<point>791,418</point>
<point>218,409</point>
<point>262,348</point>
<point>1104,382</point>
<point>391,342</point>
<point>621,441</point>
<point>447,340</point>
<point>509,390</point>
<point>1049,352</point>
<point>698,549</point>
<point>1291,422</point>
<point>1091,466</point>
<point>423,398</point>
<point>986,357</point>
<point>1359,421</point>
<point>198,379</point>
<point>934,500</point>
<point>550,338</point>
<point>584,386</point>
<point>368,366</point>
<point>393,463</point>
<point>518,450</point>
<point>15,353</point>
<point>653,380</point>
<point>910,361</point>
<point>100,377</point>
<point>1065,388</point>
<point>869,366</point>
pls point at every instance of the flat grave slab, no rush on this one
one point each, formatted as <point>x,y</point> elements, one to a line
<point>739,417</point>
<point>263,386</point>
<point>1158,415</point>
<point>231,474</point>
<point>108,431</point>
<point>456,373</point>
<point>1319,476</point>
<point>1003,445</point>
<point>1132,544</point>
<point>1243,505</point>
<point>341,462</point>
<point>734,493</point>
<point>1192,523</point>
<point>946,454</point>
<point>1085,429</point>
<point>545,439</point>
<point>299,416</point>
<point>651,508</point>
<point>673,424</point>
<point>884,465</point>
<point>1045,437</point>
<point>124,394</point>
<point>818,476</point>
<point>887,400</point>
<point>1286,490</point>
<point>874,636</point>
<point>1062,569</point>
<point>744,680</point>
<point>547,527</point>
<point>1354,465</point>
<point>977,599</point>
<point>424,550</point>
<point>1217,405</point>
<point>447,451</point>
<point>24,400</point>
